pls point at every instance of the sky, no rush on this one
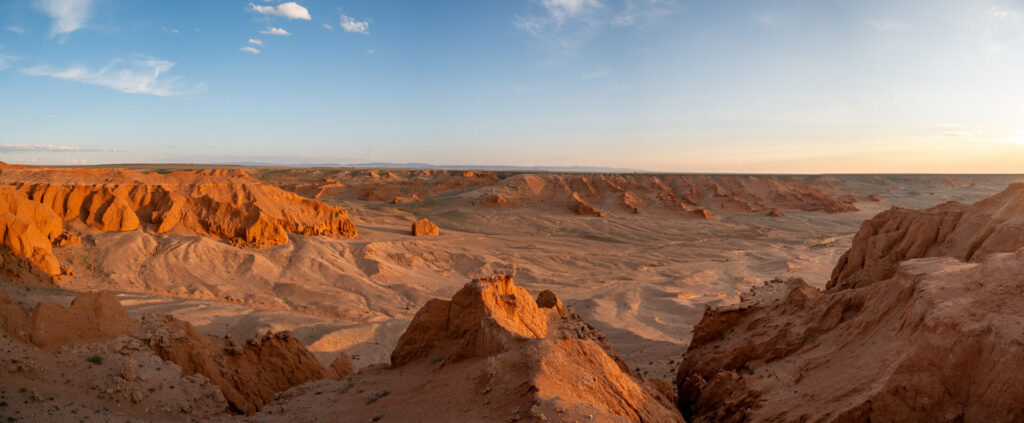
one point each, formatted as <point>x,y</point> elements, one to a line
<point>822,86</point>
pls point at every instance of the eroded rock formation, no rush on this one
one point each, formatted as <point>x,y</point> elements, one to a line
<point>951,229</point>
<point>90,317</point>
<point>224,204</point>
<point>425,227</point>
<point>249,374</point>
<point>563,369</point>
<point>894,337</point>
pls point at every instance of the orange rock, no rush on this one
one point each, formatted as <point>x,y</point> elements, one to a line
<point>581,207</point>
<point>225,204</point>
<point>424,227</point>
<point>939,332</point>
<point>91,317</point>
<point>248,375</point>
<point>479,321</point>
<point>704,214</point>
<point>775,213</point>
<point>340,368</point>
<point>563,360</point>
<point>876,198</point>
<point>26,231</point>
<point>951,229</point>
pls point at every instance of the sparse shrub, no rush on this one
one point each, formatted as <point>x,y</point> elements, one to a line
<point>376,396</point>
<point>95,359</point>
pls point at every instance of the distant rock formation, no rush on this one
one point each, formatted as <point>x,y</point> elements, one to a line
<point>425,227</point>
<point>775,213</point>
<point>224,204</point>
<point>878,198</point>
<point>581,207</point>
<point>227,205</point>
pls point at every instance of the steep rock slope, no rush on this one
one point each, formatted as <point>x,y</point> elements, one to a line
<point>951,229</point>
<point>27,229</point>
<point>898,339</point>
<point>248,375</point>
<point>491,354</point>
<point>222,204</point>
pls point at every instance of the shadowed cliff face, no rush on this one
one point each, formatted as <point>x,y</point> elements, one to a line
<point>224,205</point>
<point>894,337</point>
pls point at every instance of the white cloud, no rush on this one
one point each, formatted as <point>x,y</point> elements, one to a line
<point>16,29</point>
<point>290,10</point>
<point>328,26</point>
<point>5,61</point>
<point>275,31</point>
<point>369,51</point>
<point>349,24</point>
<point>569,23</point>
<point>256,42</point>
<point>998,12</point>
<point>144,75</point>
<point>68,15</point>
<point>252,50</point>
<point>561,10</point>
<point>15,148</point>
<point>887,25</point>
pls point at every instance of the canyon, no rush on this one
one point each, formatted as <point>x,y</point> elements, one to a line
<point>647,290</point>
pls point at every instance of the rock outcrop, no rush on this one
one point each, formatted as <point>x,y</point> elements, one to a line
<point>581,207</point>
<point>248,375</point>
<point>91,317</point>
<point>775,213</point>
<point>918,324</point>
<point>27,230</point>
<point>939,341</point>
<point>951,229</point>
<point>562,361</point>
<point>222,204</point>
<point>425,227</point>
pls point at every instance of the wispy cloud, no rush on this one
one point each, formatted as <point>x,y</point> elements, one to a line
<point>598,72</point>
<point>5,61</point>
<point>568,23</point>
<point>68,15</point>
<point>887,25</point>
<point>275,31</point>
<point>256,42</point>
<point>16,29</point>
<point>252,50</point>
<point>16,148</point>
<point>349,24</point>
<point>328,26</point>
<point>290,10</point>
<point>560,10</point>
<point>143,75</point>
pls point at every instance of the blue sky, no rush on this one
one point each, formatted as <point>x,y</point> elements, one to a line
<point>666,85</point>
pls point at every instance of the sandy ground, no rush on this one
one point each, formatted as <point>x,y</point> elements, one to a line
<point>643,279</point>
